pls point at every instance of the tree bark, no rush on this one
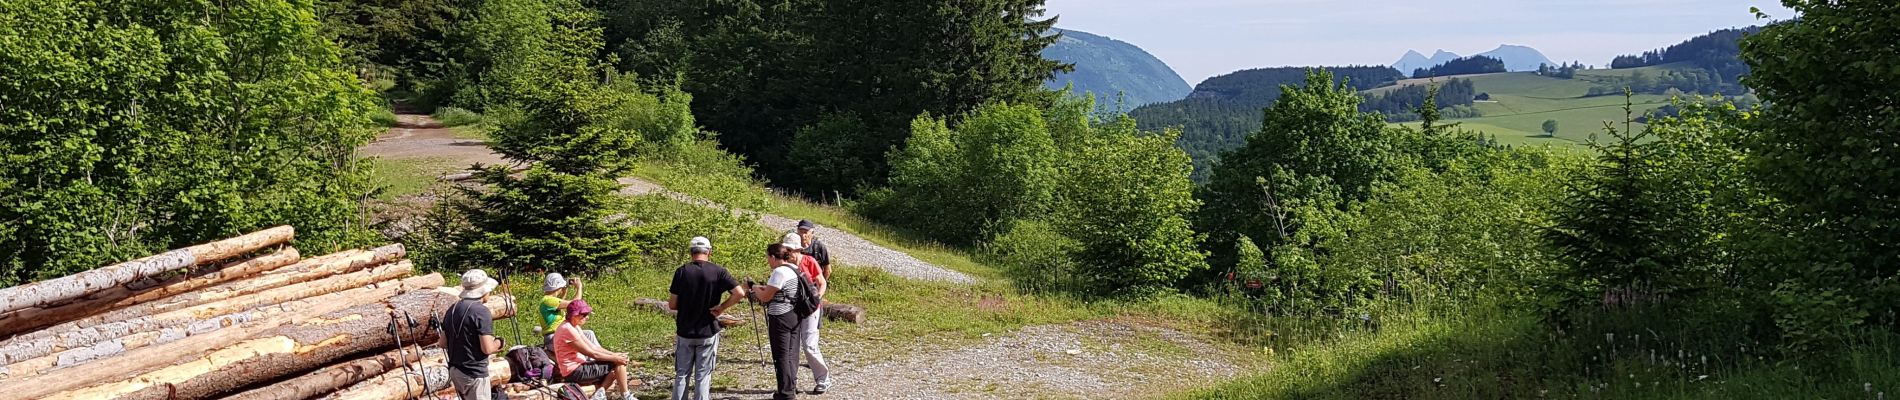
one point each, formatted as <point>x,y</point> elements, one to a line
<point>88,345</point>
<point>725,320</point>
<point>228,296</point>
<point>434,380</point>
<point>142,291</point>
<point>844,312</point>
<point>53,292</point>
<point>222,366</point>
<point>334,377</point>
<point>206,317</point>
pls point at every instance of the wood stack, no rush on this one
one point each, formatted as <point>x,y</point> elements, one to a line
<point>246,317</point>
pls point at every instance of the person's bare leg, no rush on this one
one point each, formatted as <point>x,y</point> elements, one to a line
<point>620,378</point>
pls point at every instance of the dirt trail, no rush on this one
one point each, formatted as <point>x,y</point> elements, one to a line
<point>1111,359</point>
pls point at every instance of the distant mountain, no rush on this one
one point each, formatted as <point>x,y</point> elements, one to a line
<point>1413,60</point>
<point>1518,58</point>
<point>1107,66</point>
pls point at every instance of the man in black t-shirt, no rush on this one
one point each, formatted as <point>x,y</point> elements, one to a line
<point>814,248</point>
<point>468,336</point>
<point>695,295</point>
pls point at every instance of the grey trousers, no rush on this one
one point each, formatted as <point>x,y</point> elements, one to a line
<point>693,361</point>
<point>470,387</point>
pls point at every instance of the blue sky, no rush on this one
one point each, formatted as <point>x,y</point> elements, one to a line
<point>1203,38</point>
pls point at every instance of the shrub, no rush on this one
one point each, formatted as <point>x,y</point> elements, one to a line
<point>455,116</point>
<point>383,117</point>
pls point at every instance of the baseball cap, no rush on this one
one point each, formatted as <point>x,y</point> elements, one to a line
<point>700,244</point>
<point>578,307</point>
<point>793,241</point>
<point>806,224</point>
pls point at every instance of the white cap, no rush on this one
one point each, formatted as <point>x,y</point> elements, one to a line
<point>793,241</point>
<point>476,284</point>
<point>700,244</point>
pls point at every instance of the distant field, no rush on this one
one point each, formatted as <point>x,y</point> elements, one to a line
<point>1522,101</point>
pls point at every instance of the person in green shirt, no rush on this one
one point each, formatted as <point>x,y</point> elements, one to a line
<point>553,308</point>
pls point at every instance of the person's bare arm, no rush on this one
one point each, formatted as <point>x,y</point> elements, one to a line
<point>763,293</point>
<point>738,292</point>
<point>490,344</point>
<point>673,302</point>
<point>821,284</point>
<point>598,353</point>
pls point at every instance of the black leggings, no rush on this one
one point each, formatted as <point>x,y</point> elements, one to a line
<point>785,350</point>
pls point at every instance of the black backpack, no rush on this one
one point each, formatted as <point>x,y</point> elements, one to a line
<point>806,302</point>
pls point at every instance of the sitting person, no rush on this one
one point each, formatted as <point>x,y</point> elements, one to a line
<point>579,359</point>
<point>553,288</point>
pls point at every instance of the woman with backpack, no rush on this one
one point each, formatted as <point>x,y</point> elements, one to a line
<point>781,318</point>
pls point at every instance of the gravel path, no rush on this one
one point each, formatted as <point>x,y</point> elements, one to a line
<point>845,248</point>
<point>1082,360</point>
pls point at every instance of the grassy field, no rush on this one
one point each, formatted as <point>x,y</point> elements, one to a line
<point>1522,101</point>
<point>403,177</point>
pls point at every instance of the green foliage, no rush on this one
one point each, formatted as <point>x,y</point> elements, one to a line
<point>830,156</point>
<point>382,117</point>
<point>1314,142</point>
<point>131,128</point>
<point>1126,198</point>
<point>455,116</point>
<point>1550,127</point>
<point>1225,110</point>
<point>999,164</point>
<point>1037,256</point>
<point>1479,64</point>
<point>1826,148</point>
<point>753,67</point>
<point>1113,69</point>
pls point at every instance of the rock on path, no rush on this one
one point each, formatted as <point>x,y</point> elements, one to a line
<point>845,248</point>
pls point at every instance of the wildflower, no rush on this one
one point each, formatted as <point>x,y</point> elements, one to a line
<point>1701,377</point>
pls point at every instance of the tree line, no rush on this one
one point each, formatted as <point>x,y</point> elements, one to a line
<point>1462,66</point>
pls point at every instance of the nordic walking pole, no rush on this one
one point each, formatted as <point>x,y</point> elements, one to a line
<point>399,352</point>
<point>758,337</point>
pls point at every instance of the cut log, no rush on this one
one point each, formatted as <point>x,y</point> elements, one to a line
<point>394,385</point>
<point>334,377</point>
<point>222,366</point>
<point>89,344</point>
<point>657,305</point>
<point>56,291</point>
<point>202,318</point>
<point>143,291</point>
<point>844,312</point>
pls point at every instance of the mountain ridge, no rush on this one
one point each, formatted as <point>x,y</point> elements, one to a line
<point>1107,67</point>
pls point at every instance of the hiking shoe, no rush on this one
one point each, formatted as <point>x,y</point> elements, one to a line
<point>821,388</point>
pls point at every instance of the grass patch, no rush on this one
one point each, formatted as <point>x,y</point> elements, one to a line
<point>396,178</point>
<point>451,117</point>
<point>383,117</point>
<point>1491,353</point>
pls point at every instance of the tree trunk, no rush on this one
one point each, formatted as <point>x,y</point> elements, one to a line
<point>334,377</point>
<point>844,312</point>
<point>434,380</point>
<point>725,320</point>
<point>221,366</point>
<point>175,324</point>
<point>53,292</point>
<point>87,345</point>
<point>143,291</point>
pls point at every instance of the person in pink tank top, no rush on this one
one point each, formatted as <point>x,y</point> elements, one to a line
<point>580,360</point>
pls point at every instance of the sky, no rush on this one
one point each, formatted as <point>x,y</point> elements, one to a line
<point>1204,38</point>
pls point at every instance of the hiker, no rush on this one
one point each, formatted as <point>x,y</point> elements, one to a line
<point>808,327</point>
<point>553,308</point>
<point>813,247</point>
<point>695,291</point>
<point>781,322</point>
<point>580,360</point>
<point>468,336</point>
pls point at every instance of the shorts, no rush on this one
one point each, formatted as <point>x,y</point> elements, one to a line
<point>588,373</point>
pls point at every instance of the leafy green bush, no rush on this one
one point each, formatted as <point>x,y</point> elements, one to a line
<point>131,128</point>
<point>962,184</point>
<point>455,116</point>
<point>1125,197</point>
<point>1037,257</point>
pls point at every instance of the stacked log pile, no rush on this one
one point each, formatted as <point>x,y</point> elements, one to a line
<point>247,317</point>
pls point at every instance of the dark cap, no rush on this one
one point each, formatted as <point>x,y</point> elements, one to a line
<point>806,224</point>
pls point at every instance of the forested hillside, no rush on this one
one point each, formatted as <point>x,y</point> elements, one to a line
<point>1113,70</point>
<point>1222,110</point>
<point>1715,56</point>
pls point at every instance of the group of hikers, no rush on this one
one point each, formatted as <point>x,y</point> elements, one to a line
<point>700,292</point>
